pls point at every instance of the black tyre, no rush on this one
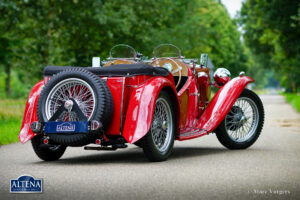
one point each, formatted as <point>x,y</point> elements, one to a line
<point>243,124</point>
<point>139,143</point>
<point>91,94</point>
<point>158,143</point>
<point>53,152</point>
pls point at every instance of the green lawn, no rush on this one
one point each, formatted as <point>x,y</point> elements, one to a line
<point>11,115</point>
<point>260,91</point>
<point>293,99</point>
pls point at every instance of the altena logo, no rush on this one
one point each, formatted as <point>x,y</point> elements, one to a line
<point>26,184</point>
<point>67,127</point>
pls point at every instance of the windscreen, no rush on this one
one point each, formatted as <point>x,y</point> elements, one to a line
<point>122,51</point>
<point>166,50</point>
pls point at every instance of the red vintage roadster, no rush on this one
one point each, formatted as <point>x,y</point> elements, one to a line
<point>146,102</point>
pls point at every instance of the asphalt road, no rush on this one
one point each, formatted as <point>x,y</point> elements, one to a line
<point>198,169</point>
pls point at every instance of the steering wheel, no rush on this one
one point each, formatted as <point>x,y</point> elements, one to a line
<point>176,69</point>
<point>119,61</point>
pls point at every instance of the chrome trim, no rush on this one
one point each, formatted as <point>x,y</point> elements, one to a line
<point>242,73</point>
<point>222,73</point>
<point>121,113</point>
<point>104,79</point>
<point>196,131</point>
<point>201,74</point>
<point>195,94</point>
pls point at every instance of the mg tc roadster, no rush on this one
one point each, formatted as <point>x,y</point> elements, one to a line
<point>129,99</point>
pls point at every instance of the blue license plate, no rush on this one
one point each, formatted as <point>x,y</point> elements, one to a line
<point>66,127</point>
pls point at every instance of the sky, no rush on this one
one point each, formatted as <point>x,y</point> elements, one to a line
<point>232,6</point>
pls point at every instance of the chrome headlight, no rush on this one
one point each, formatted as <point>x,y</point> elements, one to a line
<point>222,76</point>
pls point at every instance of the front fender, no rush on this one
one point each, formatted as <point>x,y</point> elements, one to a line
<point>30,113</point>
<point>141,108</point>
<point>221,103</point>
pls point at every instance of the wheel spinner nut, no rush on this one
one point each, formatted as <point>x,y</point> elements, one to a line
<point>165,125</point>
<point>69,105</point>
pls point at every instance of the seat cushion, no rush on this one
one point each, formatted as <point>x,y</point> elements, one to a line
<point>114,70</point>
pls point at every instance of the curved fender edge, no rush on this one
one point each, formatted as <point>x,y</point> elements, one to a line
<point>221,103</point>
<point>141,108</point>
<point>30,113</point>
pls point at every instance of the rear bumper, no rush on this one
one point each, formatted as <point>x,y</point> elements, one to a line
<point>70,127</point>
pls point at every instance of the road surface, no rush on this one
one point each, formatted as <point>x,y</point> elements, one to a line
<point>198,169</point>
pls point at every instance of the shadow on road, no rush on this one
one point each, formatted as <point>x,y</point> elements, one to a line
<point>118,157</point>
<point>134,156</point>
<point>189,152</point>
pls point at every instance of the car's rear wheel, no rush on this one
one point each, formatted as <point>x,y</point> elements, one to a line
<point>139,143</point>
<point>159,141</point>
<point>90,93</point>
<point>243,124</point>
<point>47,152</point>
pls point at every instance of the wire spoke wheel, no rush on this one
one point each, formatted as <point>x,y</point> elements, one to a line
<point>74,88</point>
<point>79,86</point>
<point>158,143</point>
<point>243,124</point>
<point>242,120</point>
<point>162,125</point>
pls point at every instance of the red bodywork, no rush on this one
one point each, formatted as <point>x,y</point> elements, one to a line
<point>134,102</point>
<point>30,113</point>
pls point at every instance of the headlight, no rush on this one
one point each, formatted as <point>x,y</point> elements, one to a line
<point>222,76</point>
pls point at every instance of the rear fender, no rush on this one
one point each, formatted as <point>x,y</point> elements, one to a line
<point>30,113</point>
<point>221,103</point>
<point>141,107</point>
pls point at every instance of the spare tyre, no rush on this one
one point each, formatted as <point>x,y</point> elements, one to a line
<point>89,92</point>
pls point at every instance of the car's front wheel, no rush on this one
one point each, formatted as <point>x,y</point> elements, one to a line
<point>159,141</point>
<point>243,124</point>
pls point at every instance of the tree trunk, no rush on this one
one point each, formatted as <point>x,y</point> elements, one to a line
<point>7,80</point>
<point>294,87</point>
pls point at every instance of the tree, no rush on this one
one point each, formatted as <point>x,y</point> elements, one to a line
<point>206,27</point>
<point>57,32</point>
<point>272,32</point>
<point>10,17</point>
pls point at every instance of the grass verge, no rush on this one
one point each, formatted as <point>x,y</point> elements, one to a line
<point>11,115</point>
<point>260,91</point>
<point>293,99</point>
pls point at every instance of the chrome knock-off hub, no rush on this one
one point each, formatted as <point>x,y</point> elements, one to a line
<point>69,105</point>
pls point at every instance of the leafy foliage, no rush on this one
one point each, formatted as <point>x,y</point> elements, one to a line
<point>35,33</point>
<point>272,32</point>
